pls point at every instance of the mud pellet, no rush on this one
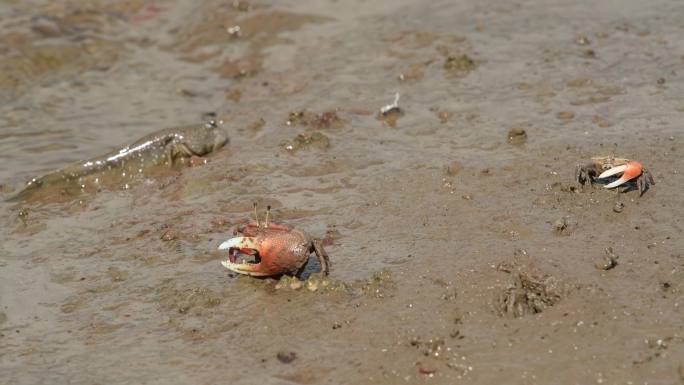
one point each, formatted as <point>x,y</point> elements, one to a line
<point>607,261</point>
<point>286,357</point>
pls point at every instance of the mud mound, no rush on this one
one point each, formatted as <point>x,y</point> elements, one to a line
<point>530,291</point>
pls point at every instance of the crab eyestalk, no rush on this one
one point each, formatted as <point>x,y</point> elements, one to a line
<point>268,213</point>
<point>256,216</point>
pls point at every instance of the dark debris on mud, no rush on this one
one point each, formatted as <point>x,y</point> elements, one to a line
<point>530,290</point>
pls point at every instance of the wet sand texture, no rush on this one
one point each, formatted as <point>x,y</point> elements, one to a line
<point>462,249</point>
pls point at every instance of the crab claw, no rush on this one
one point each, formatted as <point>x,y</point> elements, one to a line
<point>629,171</point>
<point>239,243</point>
<point>244,245</point>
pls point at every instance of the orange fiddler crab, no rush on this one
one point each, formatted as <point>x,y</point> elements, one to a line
<point>602,167</point>
<point>266,249</point>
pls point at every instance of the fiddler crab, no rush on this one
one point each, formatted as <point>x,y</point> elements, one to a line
<point>266,249</point>
<point>602,167</point>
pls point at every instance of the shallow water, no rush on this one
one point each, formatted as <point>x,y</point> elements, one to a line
<point>455,223</point>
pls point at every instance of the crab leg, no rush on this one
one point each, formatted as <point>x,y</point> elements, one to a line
<point>629,171</point>
<point>643,184</point>
<point>322,256</point>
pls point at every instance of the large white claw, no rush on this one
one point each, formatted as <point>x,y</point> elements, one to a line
<point>629,171</point>
<point>616,183</point>
<point>613,171</point>
<point>240,243</point>
<point>242,268</point>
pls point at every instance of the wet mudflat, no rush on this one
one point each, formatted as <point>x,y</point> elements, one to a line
<point>462,250</point>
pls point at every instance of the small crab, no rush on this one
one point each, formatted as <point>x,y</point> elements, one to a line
<point>606,166</point>
<point>268,249</point>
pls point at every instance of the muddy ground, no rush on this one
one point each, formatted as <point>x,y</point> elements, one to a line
<point>461,254</point>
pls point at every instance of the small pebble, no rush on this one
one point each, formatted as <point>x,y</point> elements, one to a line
<point>312,284</point>
<point>453,168</point>
<point>286,357</point>
<point>443,116</point>
<point>590,53</point>
<point>24,215</point>
<point>560,225</point>
<point>619,206</point>
<point>517,136</point>
<point>296,285</point>
<point>565,115</point>
<point>426,369</point>
<point>607,261</point>
<point>169,235</point>
<point>459,64</point>
<point>601,121</point>
<point>582,40</point>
